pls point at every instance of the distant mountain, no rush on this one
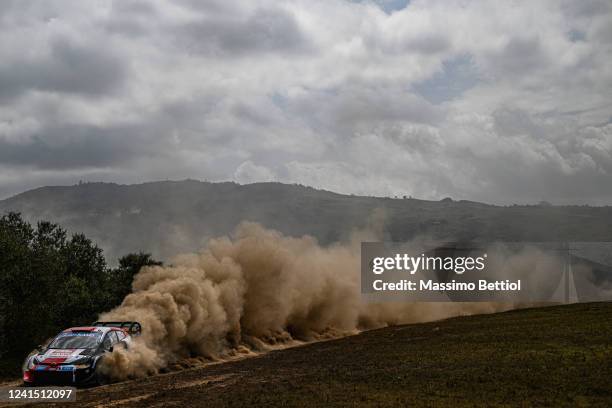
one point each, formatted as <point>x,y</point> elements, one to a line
<point>168,217</point>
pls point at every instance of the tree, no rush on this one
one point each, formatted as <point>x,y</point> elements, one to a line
<point>122,277</point>
<point>49,281</point>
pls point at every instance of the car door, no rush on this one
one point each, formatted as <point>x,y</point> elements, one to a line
<point>121,336</point>
<point>108,342</point>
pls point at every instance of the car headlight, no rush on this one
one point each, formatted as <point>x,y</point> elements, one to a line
<point>82,362</point>
<point>30,362</point>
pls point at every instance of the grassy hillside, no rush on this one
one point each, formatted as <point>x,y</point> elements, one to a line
<point>169,217</point>
<point>553,356</point>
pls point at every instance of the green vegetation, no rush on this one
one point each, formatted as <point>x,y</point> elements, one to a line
<point>50,281</point>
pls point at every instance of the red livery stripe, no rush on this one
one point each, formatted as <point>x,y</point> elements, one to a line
<point>54,360</point>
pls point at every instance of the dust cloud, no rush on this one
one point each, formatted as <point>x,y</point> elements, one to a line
<point>253,292</point>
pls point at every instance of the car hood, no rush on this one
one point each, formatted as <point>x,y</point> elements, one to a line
<point>63,356</point>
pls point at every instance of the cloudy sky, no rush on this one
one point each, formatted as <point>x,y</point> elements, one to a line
<point>500,102</point>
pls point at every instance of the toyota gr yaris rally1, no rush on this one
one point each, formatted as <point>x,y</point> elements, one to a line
<point>74,355</point>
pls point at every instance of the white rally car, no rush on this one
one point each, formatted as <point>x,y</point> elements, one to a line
<point>74,355</point>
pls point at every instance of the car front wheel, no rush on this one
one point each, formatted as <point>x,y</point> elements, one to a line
<point>99,378</point>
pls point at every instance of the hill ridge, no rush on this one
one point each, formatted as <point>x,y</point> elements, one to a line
<point>168,217</point>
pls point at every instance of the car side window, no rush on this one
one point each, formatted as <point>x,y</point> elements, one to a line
<point>107,342</point>
<point>120,335</point>
<point>114,337</point>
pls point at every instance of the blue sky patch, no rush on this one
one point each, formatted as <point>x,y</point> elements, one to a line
<point>457,76</point>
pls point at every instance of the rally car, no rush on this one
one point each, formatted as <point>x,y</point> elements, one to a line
<point>74,355</point>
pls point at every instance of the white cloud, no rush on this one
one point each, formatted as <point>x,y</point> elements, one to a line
<point>249,172</point>
<point>499,102</point>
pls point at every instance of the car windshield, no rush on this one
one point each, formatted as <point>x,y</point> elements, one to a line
<point>76,340</point>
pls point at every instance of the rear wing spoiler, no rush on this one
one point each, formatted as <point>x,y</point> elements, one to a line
<point>134,328</point>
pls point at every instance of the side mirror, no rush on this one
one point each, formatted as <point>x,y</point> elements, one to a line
<point>110,349</point>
